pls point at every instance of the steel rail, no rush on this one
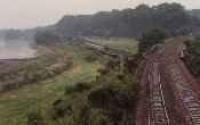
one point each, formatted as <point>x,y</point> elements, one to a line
<point>161,117</point>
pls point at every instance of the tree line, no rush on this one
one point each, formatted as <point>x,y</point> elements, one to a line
<point>173,18</point>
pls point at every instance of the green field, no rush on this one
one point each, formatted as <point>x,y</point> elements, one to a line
<point>127,44</point>
<point>16,104</point>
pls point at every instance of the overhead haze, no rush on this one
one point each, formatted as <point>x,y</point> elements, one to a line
<point>23,14</point>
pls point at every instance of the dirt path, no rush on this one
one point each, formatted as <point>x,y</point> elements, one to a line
<point>169,94</point>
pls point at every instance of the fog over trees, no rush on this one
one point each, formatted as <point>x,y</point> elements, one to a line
<point>173,18</point>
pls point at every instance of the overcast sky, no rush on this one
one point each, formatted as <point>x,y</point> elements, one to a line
<point>31,13</point>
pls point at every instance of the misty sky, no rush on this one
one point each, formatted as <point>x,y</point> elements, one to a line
<point>31,13</point>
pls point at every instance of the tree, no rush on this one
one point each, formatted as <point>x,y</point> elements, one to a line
<point>142,7</point>
<point>151,38</point>
<point>128,22</point>
<point>46,37</point>
<point>194,56</point>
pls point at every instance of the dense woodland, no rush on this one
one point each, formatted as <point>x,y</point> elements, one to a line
<point>173,18</point>
<point>195,12</point>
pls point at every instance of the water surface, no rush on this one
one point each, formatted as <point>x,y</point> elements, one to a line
<point>16,50</point>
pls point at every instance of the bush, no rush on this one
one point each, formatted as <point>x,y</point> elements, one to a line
<point>79,87</point>
<point>194,56</point>
<point>91,58</point>
<point>60,109</point>
<point>43,38</point>
<point>113,96</point>
<point>107,102</point>
<point>151,38</point>
<point>35,118</point>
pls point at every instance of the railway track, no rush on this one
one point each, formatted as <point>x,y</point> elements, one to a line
<point>188,97</point>
<point>158,114</point>
<point>182,83</point>
<point>170,96</point>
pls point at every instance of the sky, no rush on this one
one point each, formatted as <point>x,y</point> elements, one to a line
<point>23,14</point>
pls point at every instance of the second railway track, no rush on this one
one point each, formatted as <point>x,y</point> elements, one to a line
<point>168,95</point>
<point>188,97</point>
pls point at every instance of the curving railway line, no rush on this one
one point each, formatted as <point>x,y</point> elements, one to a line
<point>168,96</point>
<point>182,82</point>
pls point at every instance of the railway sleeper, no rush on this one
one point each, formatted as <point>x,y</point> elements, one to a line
<point>159,115</point>
<point>196,117</point>
<point>156,98</point>
<point>190,100</point>
<point>156,92</point>
<point>193,104</point>
<point>160,119</point>
<point>196,121</point>
<point>157,105</point>
<point>195,111</point>
<point>158,111</point>
<point>160,123</point>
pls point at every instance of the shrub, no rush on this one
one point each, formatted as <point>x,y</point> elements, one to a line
<point>91,58</point>
<point>151,38</point>
<point>60,109</point>
<point>79,87</point>
<point>35,118</point>
<point>113,96</point>
<point>194,56</point>
<point>107,102</point>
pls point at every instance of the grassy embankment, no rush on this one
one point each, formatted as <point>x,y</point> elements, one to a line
<point>16,104</point>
